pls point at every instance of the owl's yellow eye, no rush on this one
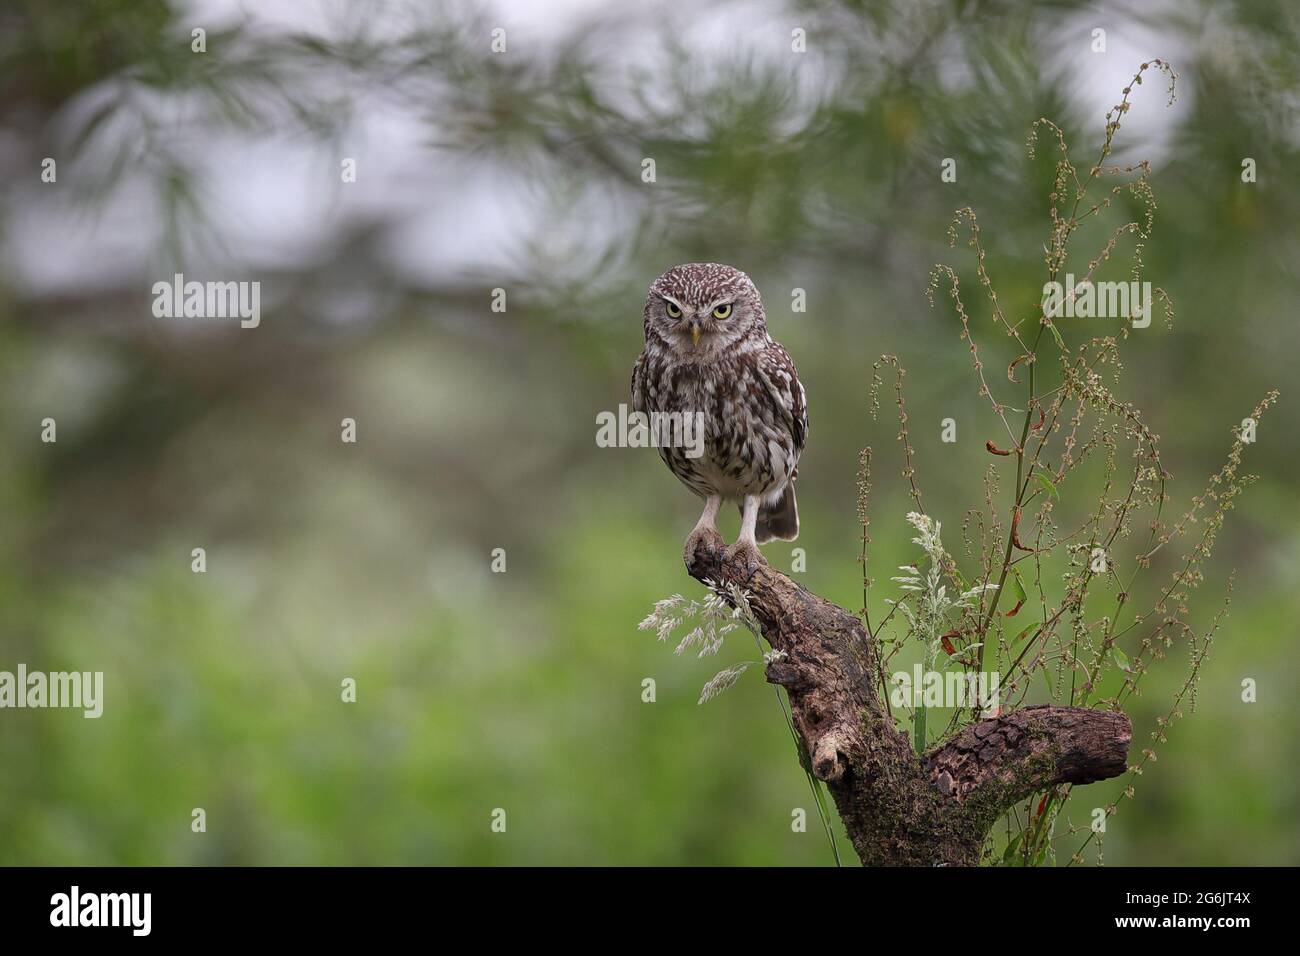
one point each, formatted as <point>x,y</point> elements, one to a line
<point>672,310</point>
<point>722,311</point>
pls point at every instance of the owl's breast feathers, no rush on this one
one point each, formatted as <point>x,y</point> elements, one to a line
<point>754,410</point>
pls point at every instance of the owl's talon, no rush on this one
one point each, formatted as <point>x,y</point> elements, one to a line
<point>706,539</point>
<point>745,552</point>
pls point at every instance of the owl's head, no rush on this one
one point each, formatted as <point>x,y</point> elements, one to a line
<point>701,307</point>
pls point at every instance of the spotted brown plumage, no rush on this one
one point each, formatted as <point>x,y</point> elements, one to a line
<point>707,350</point>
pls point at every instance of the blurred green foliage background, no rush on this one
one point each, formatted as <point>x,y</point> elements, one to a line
<point>522,170</point>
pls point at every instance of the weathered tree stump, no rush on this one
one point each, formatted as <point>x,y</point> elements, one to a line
<point>898,808</point>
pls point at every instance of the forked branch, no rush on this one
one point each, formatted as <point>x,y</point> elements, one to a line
<point>898,808</point>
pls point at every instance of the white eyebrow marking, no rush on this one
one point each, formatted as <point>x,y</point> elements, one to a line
<point>668,298</point>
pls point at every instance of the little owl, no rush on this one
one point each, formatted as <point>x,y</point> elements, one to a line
<point>707,350</point>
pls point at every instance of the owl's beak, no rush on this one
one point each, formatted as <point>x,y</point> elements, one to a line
<point>695,333</point>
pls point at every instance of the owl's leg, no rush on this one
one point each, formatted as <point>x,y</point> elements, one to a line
<point>704,528</point>
<point>709,516</point>
<point>746,547</point>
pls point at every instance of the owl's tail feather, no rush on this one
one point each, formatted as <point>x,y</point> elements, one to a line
<point>779,520</point>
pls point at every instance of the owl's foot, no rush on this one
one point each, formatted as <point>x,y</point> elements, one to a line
<point>702,539</point>
<point>704,533</point>
<point>745,552</point>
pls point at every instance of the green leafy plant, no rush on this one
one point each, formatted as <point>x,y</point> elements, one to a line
<point>1069,436</point>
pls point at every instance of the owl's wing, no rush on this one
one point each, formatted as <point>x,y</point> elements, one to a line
<point>776,370</point>
<point>638,384</point>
